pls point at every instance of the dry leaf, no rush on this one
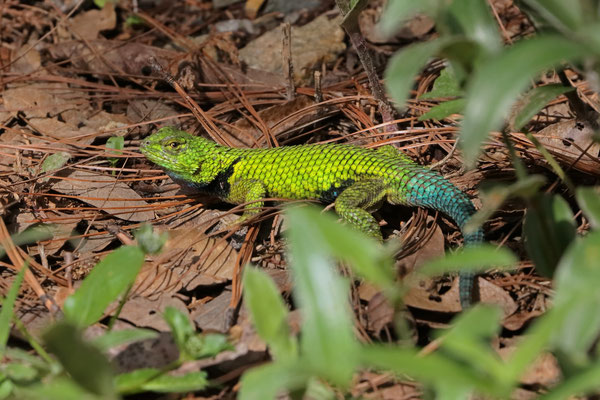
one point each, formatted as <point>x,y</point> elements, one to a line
<point>419,297</point>
<point>213,315</point>
<point>146,313</point>
<point>87,25</point>
<point>567,140</point>
<point>106,193</point>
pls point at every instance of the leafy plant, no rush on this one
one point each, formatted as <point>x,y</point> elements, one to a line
<point>79,368</point>
<point>491,75</point>
<point>117,143</point>
<point>465,361</point>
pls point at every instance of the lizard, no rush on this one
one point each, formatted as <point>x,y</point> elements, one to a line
<point>355,178</point>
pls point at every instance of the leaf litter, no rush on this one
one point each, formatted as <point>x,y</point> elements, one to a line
<point>62,95</point>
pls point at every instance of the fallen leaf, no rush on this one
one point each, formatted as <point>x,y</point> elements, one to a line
<point>87,25</point>
<point>106,193</point>
<point>145,313</point>
<point>321,40</point>
<point>213,315</point>
<point>567,140</point>
<point>419,296</point>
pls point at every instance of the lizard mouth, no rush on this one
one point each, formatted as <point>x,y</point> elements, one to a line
<point>157,156</point>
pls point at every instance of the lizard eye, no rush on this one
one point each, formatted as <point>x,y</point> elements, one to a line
<point>174,144</point>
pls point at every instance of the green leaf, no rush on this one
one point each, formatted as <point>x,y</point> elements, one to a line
<point>532,344</point>
<point>535,100</point>
<point>566,17</point>
<point>20,373</point>
<point>6,388</point>
<point>190,382</point>
<point>206,345</point>
<point>588,199</point>
<point>549,229</point>
<point>406,63</point>
<point>434,368</point>
<point>61,388</point>
<point>577,280</point>
<point>469,340</point>
<point>117,143</point>
<point>55,161</point>
<point>269,314</point>
<point>6,312</point>
<point>499,80</point>
<point>152,379</point>
<point>134,20</point>
<point>445,85</point>
<point>364,255</point>
<point>328,344</point>
<point>193,346</point>
<point>351,10</point>
<point>150,241</point>
<point>476,24</point>
<point>33,234</point>
<point>584,381</point>
<point>398,11</point>
<point>131,382</point>
<point>102,3</point>
<point>268,381</point>
<point>85,363</point>
<point>116,338</point>
<point>107,280</point>
<point>480,257</point>
<point>181,327</point>
<point>444,109</point>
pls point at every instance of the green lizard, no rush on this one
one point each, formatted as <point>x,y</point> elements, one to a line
<point>355,178</point>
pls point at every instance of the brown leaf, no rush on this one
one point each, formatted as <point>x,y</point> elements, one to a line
<point>60,231</point>
<point>321,40</point>
<point>117,57</point>
<point>106,193</point>
<point>146,313</point>
<point>380,313</point>
<point>568,139</point>
<point>189,259</point>
<point>420,297</point>
<point>87,25</point>
<point>432,248</point>
<point>213,315</point>
<point>38,100</point>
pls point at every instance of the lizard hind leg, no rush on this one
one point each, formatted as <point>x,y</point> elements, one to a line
<point>352,205</point>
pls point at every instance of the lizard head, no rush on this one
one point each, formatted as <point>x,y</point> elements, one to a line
<point>178,152</point>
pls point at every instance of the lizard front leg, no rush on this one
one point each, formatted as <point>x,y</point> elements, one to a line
<point>251,191</point>
<point>352,205</point>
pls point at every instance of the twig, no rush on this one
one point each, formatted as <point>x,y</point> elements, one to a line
<point>288,67</point>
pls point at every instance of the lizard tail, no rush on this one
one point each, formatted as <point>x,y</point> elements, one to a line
<point>426,188</point>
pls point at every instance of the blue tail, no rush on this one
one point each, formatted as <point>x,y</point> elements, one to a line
<point>429,189</point>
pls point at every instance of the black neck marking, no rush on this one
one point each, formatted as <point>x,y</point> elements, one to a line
<point>219,186</point>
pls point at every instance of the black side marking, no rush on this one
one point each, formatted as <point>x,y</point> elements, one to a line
<point>329,195</point>
<point>220,186</point>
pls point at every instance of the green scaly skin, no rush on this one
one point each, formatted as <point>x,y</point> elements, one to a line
<point>355,178</point>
